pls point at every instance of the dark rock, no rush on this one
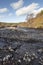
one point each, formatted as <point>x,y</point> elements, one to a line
<point>21,47</point>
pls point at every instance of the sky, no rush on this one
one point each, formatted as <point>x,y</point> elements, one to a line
<point>14,11</point>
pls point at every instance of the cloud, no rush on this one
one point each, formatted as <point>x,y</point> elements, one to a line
<point>17,5</point>
<point>3,10</point>
<point>1,16</point>
<point>37,11</point>
<point>27,9</point>
<point>10,14</point>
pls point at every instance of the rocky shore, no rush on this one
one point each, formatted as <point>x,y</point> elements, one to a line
<point>21,46</point>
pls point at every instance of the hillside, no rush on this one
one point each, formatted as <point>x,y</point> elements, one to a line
<point>2,25</point>
<point>36,22</point>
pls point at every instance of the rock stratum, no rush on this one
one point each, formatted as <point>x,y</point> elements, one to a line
<point>21,46</point>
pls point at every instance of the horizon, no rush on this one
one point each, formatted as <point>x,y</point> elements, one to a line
<point>15,11</point>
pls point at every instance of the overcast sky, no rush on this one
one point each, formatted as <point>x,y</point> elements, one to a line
<point>15,11</point>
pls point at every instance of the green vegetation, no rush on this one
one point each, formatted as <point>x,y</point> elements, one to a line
<point>42,12</point>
